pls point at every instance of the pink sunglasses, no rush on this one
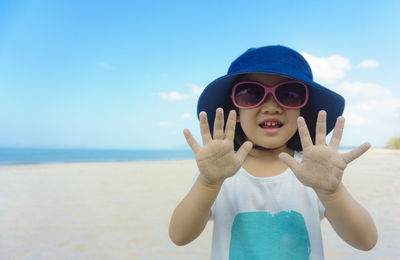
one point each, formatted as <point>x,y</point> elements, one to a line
<point>288,94</point>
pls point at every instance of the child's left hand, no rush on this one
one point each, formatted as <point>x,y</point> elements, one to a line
<point>322,165</point>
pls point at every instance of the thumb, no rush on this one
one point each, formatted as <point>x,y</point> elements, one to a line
<point>244,150</point>
<point>289,161</point>
<point>356,152</point>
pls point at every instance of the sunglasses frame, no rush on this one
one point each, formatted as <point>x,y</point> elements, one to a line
<point>267,90</point>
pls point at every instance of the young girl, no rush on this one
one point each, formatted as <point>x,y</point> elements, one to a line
<point>266,198</point>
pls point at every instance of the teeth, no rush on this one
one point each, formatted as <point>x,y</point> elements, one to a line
<point>270,123</point>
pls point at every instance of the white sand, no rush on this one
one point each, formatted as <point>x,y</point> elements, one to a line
<point>122,210</point>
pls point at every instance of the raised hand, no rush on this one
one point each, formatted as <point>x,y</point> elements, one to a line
<point>217,159</point>
<point>322,166</point>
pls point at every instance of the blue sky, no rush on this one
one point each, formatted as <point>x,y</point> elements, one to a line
<point>127,74</point>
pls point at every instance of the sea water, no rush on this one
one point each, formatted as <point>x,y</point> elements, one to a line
<point>9,156</point>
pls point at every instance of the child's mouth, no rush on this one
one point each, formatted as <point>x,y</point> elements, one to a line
<point>271,125</point>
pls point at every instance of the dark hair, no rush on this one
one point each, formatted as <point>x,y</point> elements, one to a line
<point>293,143</point>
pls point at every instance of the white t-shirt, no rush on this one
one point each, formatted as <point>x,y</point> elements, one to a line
<point>266,218</point>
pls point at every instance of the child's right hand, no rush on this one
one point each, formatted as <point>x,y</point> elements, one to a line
<point>217,159</point>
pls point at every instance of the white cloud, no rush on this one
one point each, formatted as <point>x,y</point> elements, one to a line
<point>172,96</point>
<point>372,113</point>
<point>176,132</point>
<point>369,105</point>
<point>368,64</point>
<point>187,116</point>
<point>387,105</point>
<point>177,96</point>
<point>355,119</point>
<point>371,90</point>
<point>328,69</point>
<point>196,89</point>
<point>165,124</point>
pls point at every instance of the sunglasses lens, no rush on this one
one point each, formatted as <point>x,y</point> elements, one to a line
<point>291,94</point>
<point>248,94</point>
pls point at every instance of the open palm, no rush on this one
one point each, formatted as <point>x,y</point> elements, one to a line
<point>322,165</point>
<point>217,159</point>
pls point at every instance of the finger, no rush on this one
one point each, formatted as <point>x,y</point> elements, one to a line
<point>191,141</point>
<point>356,152</point>
<point>230,125</point>
<point>289,161</point>
<point>304,134</point>
<point>320,136</point>
<point>244,150</point>
<point>218,132</point>
<point>337,133</point>
<point>204,128</point>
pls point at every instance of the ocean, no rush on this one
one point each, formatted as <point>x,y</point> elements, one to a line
<point>12,156</point>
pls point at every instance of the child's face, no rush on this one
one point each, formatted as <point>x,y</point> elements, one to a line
<point>269,112</point>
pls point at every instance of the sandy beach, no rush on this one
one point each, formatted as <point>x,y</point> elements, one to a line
<point>122,210</point>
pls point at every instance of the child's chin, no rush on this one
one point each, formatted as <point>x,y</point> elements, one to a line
<point>268,147</point>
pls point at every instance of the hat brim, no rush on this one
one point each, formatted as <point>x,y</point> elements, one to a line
<point>321,98</point>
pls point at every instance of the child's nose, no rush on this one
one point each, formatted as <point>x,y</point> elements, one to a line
<point>270,105</point>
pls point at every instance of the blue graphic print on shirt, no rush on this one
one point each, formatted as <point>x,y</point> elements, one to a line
<point>260,235</point>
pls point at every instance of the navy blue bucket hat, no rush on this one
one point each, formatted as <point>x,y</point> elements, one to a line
<point>278,60</point>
